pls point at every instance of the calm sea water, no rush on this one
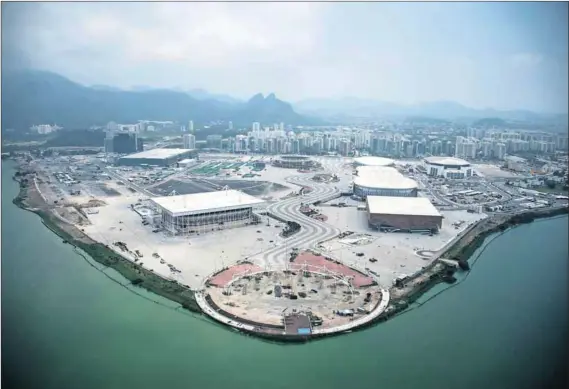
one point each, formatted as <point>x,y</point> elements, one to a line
<point>67,325</point>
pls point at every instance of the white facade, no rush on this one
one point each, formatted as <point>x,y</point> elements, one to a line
<point>204,212</point>
<point>453,168</point>
<point>189,141</point>
<point>382,181</point>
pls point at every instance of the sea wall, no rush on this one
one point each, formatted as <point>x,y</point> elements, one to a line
<point>461,250</point>
<point>104,255</point>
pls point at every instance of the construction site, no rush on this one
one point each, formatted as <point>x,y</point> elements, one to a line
<point>284,259</point>
<point>313,294</point>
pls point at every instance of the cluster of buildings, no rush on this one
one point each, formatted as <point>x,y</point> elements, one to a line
<point>392,201</point>
<point>44,129</point>
<point>497,144</point>
<point>382,140</point>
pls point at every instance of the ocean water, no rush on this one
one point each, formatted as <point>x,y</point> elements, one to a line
<point>65,324</point>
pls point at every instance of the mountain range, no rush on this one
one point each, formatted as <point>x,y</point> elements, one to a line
<point>351,108</point>
<point>31,97</point>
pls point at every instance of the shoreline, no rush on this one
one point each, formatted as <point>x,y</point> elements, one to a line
<point>417,284</point>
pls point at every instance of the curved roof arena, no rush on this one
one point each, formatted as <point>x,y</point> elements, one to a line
<point>373,161</point>
<point>446,161</point>
<point>382,177</point>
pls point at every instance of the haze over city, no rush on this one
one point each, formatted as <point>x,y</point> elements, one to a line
<point>499,55</point>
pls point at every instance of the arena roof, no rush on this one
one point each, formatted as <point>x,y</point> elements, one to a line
<point>192,204</point>
<point>290,157</point>
<point>411,206</point>
<point>158,153</point>
<point>382,177</point>
<point>373,161</point>
<point>447,161</point>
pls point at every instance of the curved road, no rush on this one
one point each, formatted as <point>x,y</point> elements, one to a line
<point>312,231</point>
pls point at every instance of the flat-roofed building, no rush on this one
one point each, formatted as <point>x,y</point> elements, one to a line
<point>156,157</point>
<point>202,212</point>
<point>402,213</point>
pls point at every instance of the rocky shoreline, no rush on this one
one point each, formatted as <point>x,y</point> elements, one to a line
<point>405,294</point>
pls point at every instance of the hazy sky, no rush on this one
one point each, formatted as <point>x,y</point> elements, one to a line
<point>500,55</point>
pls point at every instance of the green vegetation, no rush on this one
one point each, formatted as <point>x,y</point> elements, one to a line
<point>552,187</point>
<point>214,168</point>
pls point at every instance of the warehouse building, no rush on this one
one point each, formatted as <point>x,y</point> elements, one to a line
<point>203,212</point>
<point>409,214</point>
<point>156,157</point>
<point>382,181</point>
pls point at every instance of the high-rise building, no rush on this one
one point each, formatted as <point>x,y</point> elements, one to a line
<point>189,141</point>
<point>191,126</point>
<point>127,143</point>
<point>500,151</point>
<point>108,145</point>
<point>256,126</point>
<point>230,126</point>
<point>345,147</point>
<point>214,141</point>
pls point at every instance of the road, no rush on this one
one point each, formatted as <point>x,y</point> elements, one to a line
<point>312,231</point>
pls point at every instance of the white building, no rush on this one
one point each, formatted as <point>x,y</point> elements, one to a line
<point>516,164</point>
<point>45,129</point>
<point>500,150</point>
<point>448,167</point>
<point>205,212</point>
<point>189,141</point>
<point>382,181</point>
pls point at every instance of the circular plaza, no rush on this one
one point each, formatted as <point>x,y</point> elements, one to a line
<point>314,296</point>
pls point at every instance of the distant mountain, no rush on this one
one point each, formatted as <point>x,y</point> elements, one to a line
<point>202,94</point>
<point>39,97</point>
<point>373,109</point>
<point>105,87</point>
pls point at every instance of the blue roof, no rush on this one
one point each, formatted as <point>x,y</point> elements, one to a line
<point>304,331</point>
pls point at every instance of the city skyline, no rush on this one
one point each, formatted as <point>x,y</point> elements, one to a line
<point>504,56</point>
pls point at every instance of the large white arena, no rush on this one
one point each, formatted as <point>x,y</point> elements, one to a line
<point>382,181</point>
<point>209,211</point>
<point>447,167</point>
<point>373,161</point>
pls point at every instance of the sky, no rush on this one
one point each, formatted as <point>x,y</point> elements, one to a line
<point>499,55</point>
